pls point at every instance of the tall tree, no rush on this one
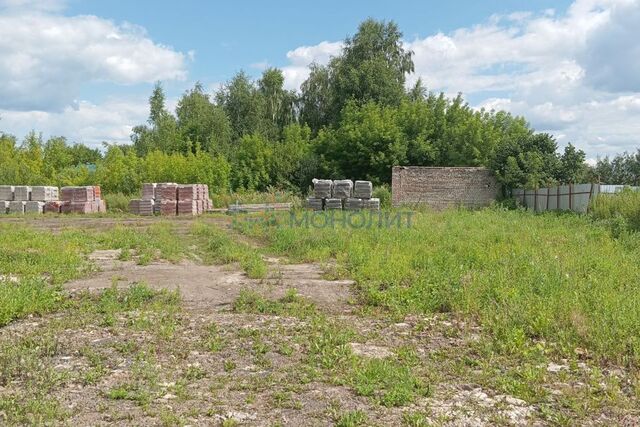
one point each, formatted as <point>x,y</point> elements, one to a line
<point>163,132</point>
<point>316,98</point>
<point>372,67</point>
<point>201,122</point>
<point>279,103</point>
<point>243,105</point>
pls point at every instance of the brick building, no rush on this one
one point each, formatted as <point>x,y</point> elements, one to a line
<point>442,187</point>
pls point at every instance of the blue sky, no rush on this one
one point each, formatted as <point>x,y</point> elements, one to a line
<point>84,69</point>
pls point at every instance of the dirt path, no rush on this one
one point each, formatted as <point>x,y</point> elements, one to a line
<point>216,287</point>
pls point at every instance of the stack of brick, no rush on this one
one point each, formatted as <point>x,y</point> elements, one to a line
<point>6,197</point>
<point>342,194</point>
<point>144,207</point>
<point>172,199</point>
<point>22,199</point>
<point>362,192</point>
<point>44,194</point>
<point>81,200</point>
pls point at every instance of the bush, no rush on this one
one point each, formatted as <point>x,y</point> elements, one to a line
<point>383,192</point>
<point>117,202</point>
<point>619,209</point>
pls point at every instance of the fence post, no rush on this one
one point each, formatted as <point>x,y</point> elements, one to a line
<point>570,196</point>
<point>548,191</point>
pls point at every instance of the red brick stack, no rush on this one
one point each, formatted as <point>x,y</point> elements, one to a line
<point>81,200</point>
<point>174,199</point>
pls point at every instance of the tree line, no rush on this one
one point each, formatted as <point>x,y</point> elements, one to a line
<point>352,118</point>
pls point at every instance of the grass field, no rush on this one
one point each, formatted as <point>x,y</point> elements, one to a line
<point>487,317</point>
<point>557,279</point>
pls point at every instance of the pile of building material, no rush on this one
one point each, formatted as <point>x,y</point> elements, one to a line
<point>79,200</point>
<point>169,198</point>
<point>39,199</point>
<point>342,194</point>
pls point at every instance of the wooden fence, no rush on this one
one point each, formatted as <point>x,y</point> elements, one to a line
<point>571,197</point>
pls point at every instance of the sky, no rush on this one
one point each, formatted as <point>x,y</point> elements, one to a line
<point>84,69</point>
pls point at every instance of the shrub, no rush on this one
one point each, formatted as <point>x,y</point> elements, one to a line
<point>620,208</point>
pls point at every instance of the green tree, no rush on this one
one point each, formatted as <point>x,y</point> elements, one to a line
<point>366,145</point>
<point>243,104</point>
<point>278,102</point>
<point>162,132</point>
<point>203,123</point>
<point>316,98</point>
<point>252,163</point>
<point>572,167</point>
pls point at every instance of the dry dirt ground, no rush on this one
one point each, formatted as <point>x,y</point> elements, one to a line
<point>203,360</point>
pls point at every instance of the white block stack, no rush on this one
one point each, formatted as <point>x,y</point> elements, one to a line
<point>44,194</point>
<point>22,193</point>
<point>342,194</point>
<point>6,192</point>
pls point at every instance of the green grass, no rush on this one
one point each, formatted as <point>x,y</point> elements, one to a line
<point>523,277</point>
<point>159,241</point>
<point>118,202</point>
<point>621,210</point>
<point>30,296</point>
<point>218,246</point>
<point>291,304</point>
<point>26,252</point>
<point>37,262</point>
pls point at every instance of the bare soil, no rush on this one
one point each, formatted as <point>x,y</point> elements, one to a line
<point>216,287</point>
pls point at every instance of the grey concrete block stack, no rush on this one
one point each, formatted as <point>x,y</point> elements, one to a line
<point>20,199</point>
<point>342,194</point>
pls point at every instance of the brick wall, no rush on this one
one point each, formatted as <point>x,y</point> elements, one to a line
<point>443,187</point>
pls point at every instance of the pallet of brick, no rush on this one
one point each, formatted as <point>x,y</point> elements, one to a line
<point>95,206</point>
<point>149,190</point>
<point>16,207</point>
<point>187,207</point>
<point>314,203</point>
<point>21,193</point>
<point>353,204</point>
<point>6,192</point>
<point>4,206</point>
<point>332,204</point>
<point>372,204</point>
<point>168,207</point>
<point>188,192</point>
<point>167,191</point>
<point>97,192</point>
<point>78,194</point>
<point>54,206</point>
<point>144,207</point>
<point>42,193</point>
<point>342,188</point>
<point>363,189</point>
<point>78,207</point>
<point>322,188</point>
<point>34,207</point>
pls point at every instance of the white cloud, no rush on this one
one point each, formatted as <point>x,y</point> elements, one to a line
<point>46,58</point>
<point>575,74</point>
<point>303,56</point>
<point>88,123</point>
